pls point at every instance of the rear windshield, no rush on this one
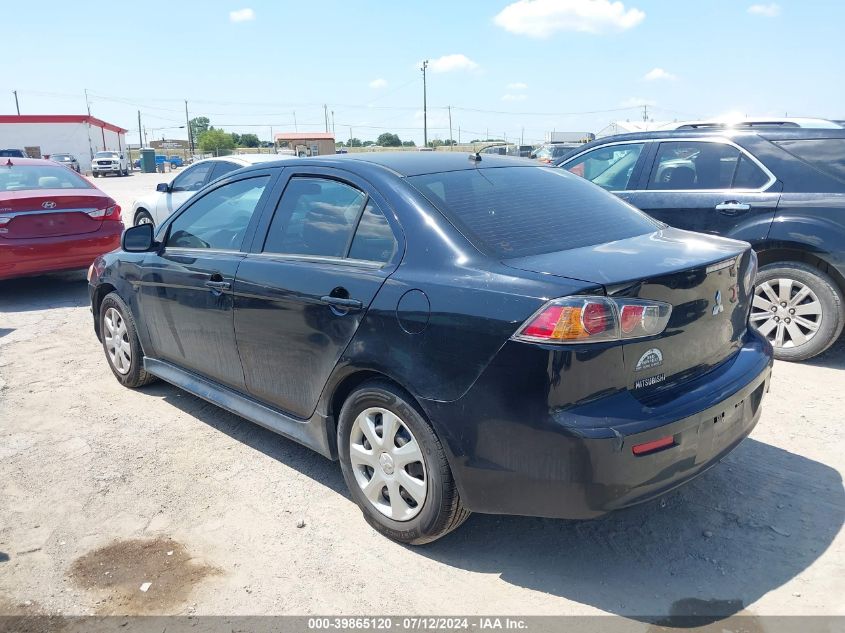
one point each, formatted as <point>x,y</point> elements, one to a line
<point>26,177</point>
<point>826,154</point>
<point>12,153</point>
<point>519,211</point>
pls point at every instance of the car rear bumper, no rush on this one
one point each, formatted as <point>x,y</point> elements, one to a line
<point>20,258</point>
<point>578,462</point>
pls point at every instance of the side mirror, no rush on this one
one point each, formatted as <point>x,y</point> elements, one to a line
<point>138,239</point>
<point>163,187</point>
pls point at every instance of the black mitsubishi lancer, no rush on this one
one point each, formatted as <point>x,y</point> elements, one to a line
<point>464,333</point>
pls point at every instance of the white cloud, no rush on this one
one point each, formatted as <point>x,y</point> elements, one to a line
<point>656,74</point>
<point>378,83</point>
<point>517,86</point>
<point>636,102</point>
<point>767,10</point>
<point>241,15</point>
<point>448,63</point>
<point>513,97</point>
<point>543,18</point>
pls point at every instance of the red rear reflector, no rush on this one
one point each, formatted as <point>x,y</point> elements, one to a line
<point>654,445</point>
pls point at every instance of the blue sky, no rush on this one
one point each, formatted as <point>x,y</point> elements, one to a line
<point>503,65</point>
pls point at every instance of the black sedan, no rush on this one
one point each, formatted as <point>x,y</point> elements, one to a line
<point>463,332</point>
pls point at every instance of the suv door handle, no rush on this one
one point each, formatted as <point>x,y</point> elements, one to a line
<point>218,285</point>
<point>346,304</point>
<point>732,207</point>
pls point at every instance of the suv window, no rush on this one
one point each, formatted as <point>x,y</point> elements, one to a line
<point>222,167</point>
<point>374,240</point>
<point>609,167</point>
<point>691,165</point>
<point>316,216</point>
<point>193,178</point>
<point>219,219</point>
<point>826,154</point>
<point>519,211</point>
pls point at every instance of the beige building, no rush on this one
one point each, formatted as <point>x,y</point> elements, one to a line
<point>306,143</point>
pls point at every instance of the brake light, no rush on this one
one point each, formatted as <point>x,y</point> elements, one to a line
<point>653,446</point>
<point>109,213</point>
<point>595,319</point>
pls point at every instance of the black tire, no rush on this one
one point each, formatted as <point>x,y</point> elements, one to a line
<point>829,296</point>
<point>442,511</point>
<point>143,214</point>
<point>135,376</point>
<point>95,174</point>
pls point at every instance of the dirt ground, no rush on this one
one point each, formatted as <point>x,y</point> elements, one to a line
<point>103,490</point>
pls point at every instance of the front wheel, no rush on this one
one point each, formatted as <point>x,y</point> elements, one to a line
<point>395,466</point>
<point>143,217</point>
<point>798,308</point>
<point>121,344</point>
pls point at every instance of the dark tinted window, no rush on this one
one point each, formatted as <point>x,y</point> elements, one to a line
<point>219,219</point>
<point>373,239</point>
<point>222,167</point>
<point>685,165</point>
<point>315,216</point>
<point>748,175</point>
<point>193,178</point>
<point>12,153</point>
<point>609,167</point>
<point>826,154</point>
<point>518,211</point>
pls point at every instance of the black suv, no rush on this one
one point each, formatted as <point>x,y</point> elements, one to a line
<point>781,189</point>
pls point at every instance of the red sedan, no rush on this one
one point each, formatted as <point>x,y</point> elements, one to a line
<point>52,219</point>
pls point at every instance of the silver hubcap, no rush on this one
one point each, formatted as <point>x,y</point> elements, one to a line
<point>117,341</point>
<point>388,464</point>
<point>144,219</point>
<point>786,312</point>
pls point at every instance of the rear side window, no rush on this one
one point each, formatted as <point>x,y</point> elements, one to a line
<point>825,154</point>
<point>316,216</point>
<point>682,165</point>
<point>520,211</point>
<point>222,167</point>
<point>373,239</point>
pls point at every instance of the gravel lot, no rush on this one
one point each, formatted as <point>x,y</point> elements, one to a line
<point>103,489</point>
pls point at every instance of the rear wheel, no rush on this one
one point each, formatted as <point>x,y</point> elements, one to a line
<point>143,217</point>
<point>395,467</point>
<point>120,343</point>
<point>798,308</point>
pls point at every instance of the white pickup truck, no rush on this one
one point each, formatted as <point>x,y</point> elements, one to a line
<point>109,162</point>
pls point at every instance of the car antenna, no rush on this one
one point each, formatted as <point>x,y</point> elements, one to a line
<point>9,163</point>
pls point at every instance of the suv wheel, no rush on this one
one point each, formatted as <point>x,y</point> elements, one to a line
<point>120,342</point>
<point>395,467</point>
<point>798,308</point>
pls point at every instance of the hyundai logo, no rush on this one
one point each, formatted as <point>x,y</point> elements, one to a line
<point>718,307</point>
<point>48,205</point>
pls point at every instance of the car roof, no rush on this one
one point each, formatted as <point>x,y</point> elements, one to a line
<point>772,134</point>
<point>784,122</point>
<point>248,159</point>
<point>6,160</point>
<point>418,163</point>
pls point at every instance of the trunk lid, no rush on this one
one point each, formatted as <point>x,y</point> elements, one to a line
<point>704,279</point>
<point>50,212</point>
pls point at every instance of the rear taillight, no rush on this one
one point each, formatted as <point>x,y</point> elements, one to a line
<point>595,319</point>
<point>109,213</point>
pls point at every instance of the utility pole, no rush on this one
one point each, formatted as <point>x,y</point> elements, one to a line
<point>350,136</point>
<point>190,129</point>
<point>459,135</point>
<point>140,140</point>
<point>145,136</point>
<point>522,136</point>
<point>272,140</point>
<point>451,140</point>
<point>17,107</point>
<point>333,130</point>
<point>87,104</point>
<point>425,106</point>
<point>326,116</point>
<point>295,127</point>
<point>645,113</point>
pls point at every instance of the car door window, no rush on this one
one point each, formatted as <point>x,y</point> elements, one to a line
<point>748,175</point>
<point>193,178</point>
<point>222,167</point>
<point>219,219</point>
<point>316,216</point>
<point>374,240</point>
<point>609,167</point>
<point>693,165</point>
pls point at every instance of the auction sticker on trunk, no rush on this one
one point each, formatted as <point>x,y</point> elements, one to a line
<point>652,358</point>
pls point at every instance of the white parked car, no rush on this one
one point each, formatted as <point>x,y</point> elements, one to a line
<point>168,197</point>
<point>109,162</point>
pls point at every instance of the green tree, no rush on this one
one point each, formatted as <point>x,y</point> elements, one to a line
<point>215,141</point>
<point>237,139</point>
<point>368,143</point>
<point>354,142</point>
<point>435,142</point>
<point>388,139</point>
<point>199,125</point>
<point>408,144</point>
<point>249,140</point>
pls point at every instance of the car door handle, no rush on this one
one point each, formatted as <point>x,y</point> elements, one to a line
<point>732,207</point>
<point>346,304</point>
<point>218,285</point>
